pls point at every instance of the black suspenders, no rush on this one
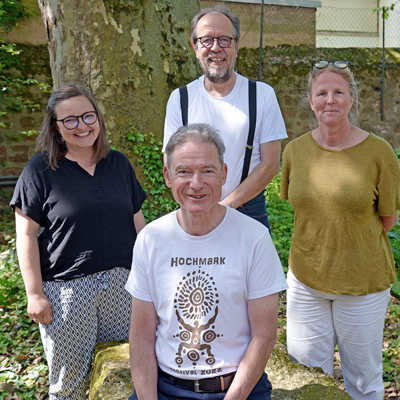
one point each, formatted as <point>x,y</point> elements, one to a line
<point>184,104</point>
<point>252,128</point>
<point>252,121</point>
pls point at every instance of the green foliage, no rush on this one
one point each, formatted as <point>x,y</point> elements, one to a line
<point>10,12</point>
<point>17,86</point>
<point>23,370</point>
<point>386,9</point>
<point>147,149</point>
<point>394,237</point>
<point>280,216</point>
<point>391,346</point>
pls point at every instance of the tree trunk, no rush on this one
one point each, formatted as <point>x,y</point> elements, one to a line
<point>130,53</point>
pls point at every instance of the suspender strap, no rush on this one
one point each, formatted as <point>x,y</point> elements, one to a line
<point>252,121</point>
<point>184,104</point>
<point>252,127</point>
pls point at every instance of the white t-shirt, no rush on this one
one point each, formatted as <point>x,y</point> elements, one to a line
<point>200,287</point>
<point>230,116</point>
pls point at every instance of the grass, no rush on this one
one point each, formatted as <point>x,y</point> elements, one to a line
<point>23,370</point>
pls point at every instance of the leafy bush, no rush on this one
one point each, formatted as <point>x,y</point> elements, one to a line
<point>10,12</point>
<point>147,149</point>
<point>281,219</point>
<point>394,237</point>
<point>23,370</point>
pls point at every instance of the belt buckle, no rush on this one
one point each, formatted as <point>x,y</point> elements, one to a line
<point>197,387</point>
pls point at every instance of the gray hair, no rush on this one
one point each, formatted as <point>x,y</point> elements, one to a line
<point>348,77</point>
<point>203,133</point>
<point>218,9</point>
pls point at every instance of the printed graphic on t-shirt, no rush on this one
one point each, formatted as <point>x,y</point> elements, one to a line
<point>196,307</point>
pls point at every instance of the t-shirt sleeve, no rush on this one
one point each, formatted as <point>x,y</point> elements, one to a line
<point>173,117</point>
<point>272,125</point>
<point>29,194</point>
<point>138,280</point>
<point>389,184</point>
<point>285,174</point>
<point>265,275</point>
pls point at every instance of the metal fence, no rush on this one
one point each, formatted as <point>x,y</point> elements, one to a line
<point>356,27</point>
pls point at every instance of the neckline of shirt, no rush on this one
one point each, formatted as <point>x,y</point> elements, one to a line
<point>232,93</point>
<point>207,236</point>
<point>338,150</point>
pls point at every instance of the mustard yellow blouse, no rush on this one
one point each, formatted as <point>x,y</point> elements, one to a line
<point>339,244</point>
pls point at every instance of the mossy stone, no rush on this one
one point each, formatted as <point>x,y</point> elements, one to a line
<point>110,378</point>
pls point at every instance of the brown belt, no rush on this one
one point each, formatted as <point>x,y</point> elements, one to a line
<point>207,385</point>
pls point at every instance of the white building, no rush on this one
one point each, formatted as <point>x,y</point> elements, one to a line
<point>354,23</point>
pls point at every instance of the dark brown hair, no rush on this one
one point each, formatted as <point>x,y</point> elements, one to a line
<point>50,140</point>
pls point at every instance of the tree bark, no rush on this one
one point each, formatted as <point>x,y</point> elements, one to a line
<point>130,53</point>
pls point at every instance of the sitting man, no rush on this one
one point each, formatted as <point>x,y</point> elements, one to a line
<point>205,281</point>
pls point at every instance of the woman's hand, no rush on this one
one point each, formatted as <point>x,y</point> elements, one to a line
<point>389,222</point>
<point>40,309</point>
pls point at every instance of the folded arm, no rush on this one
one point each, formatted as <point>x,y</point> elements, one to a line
<point>389,222</point>
<point>259,178</point>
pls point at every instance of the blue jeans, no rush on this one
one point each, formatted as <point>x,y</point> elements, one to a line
<point>256,208</point>
<point>168,391</point>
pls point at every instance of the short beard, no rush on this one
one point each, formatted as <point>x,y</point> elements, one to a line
<point>217,78</point>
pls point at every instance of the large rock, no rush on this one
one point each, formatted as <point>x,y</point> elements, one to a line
<point>295,381</point>
<point>110,378</point>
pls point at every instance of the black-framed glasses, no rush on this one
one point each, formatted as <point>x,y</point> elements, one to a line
<point>72,121</point>
<point>208,41</point>
<point>339,64</point>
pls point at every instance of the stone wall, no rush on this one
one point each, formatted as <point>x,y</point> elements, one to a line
<point>285,68</point>
<point>282,24</point>
<point>30,79</point>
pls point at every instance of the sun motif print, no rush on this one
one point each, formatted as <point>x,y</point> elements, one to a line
<point>196,308</point>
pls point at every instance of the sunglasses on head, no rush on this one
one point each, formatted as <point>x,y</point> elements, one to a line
<point>339,64</point>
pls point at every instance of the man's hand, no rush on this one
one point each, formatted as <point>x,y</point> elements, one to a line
<point>259,178</point>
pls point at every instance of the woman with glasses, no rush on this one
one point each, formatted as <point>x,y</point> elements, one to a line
<point>344,186</point>
<point>78,209</point>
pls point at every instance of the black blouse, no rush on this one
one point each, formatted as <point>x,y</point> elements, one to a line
<point>86,221</point>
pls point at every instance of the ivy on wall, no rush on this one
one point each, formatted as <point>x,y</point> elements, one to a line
<point>147,150</point>
<point>16,77</point>
<point>11,11</point>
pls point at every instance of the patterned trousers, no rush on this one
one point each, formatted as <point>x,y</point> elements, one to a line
<point>86,311</point>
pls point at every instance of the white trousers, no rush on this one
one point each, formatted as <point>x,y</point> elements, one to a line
<point>318,321</point>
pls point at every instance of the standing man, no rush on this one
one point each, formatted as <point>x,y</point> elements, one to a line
<point>205,283</point>
<point>223,98</point>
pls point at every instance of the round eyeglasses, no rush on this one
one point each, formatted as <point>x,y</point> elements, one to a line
<point>208,41</point>
<point>339,64</point>
<point>72,121</point>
